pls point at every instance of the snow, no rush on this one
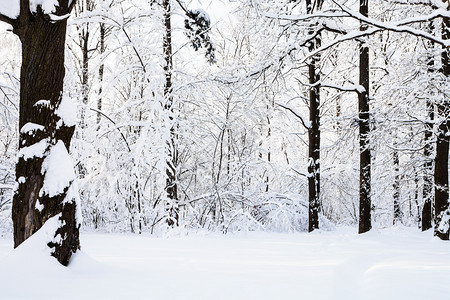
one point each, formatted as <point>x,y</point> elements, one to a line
<point>396,263</point>
<point>201,14</point>
<point>58,170</point>
<point>11,8</point>
<point>6,186</point>
<point>73,195</point>
<point>56,18</point>
<point>67,111</point>
<point>42,103</point>
<point>48,6</point>
<point>445,221</point>
<point>36,150</point>
<point>30,128</point>
<point>39,206</point>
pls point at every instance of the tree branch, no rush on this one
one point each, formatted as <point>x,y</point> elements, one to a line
<point>304,123</point>
<point>8,20</point>
<point>400,26</point>
<point>72,5</point>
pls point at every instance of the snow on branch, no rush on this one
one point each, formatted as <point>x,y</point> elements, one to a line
<point>12,9</point>
<point>397,26</point>
<point>431,3</point>
<point>351,88</point>
<point>400,26</point>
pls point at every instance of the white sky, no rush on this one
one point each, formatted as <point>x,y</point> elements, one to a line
<point>217,9</point>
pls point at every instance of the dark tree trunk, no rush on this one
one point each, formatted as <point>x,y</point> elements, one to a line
<point>396,186</point>
<point>101,70</point>
<point>365,223</point>
<point>428,198</point>
<point>428,170</point>
<point>41,78</point>
<point>441,206</point>
<point>85,74</point>
<point>84,35</point>
<point>314,130</point>
<point>171,170</point>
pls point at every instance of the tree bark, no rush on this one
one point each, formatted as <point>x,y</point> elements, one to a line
<point>101,70</point>
<point>396,186</point>
<point>314,129</point>
<point>41,78</point>
<point>365,223</point>
<point>428,197</point>
<point>441,190</point>
<point>171,169</point>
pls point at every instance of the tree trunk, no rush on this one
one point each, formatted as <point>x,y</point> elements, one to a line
<point>396,186</point>
<point>442,210</point>
<point>171,184</point>
<point>428,170</point>
<point>427,209</point>
<point>365,223</point>
<point>101,70</point>
<point>41,78</point>
<point>314,131</point>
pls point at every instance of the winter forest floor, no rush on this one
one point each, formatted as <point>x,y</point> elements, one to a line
<point>396,263</point>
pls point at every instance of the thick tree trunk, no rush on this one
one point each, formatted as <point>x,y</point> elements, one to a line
<point>365,223</point>
<point>171,183</point>
<point>314,131</point>
<point>314,149</point>
<point>41,78</point>
<point>442,210</point>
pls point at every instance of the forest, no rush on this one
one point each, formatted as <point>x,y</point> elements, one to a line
<point>154,116</point>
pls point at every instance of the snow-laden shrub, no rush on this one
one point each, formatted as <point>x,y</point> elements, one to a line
<point>265,211</point>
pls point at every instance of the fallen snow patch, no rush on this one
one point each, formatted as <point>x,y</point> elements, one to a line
<point>398,263</point>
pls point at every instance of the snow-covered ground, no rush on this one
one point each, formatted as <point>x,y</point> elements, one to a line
<point>397,263</point>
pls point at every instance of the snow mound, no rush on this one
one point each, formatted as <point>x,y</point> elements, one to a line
<point>398,263</point>
<point>31,270</point>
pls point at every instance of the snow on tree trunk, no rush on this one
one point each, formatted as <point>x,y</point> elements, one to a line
<point>44,170</point>
<point>364,130</point>
<point>442,209</point>
<point>171,168</point>
<point>314,131</point>
<point>427,210</point>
